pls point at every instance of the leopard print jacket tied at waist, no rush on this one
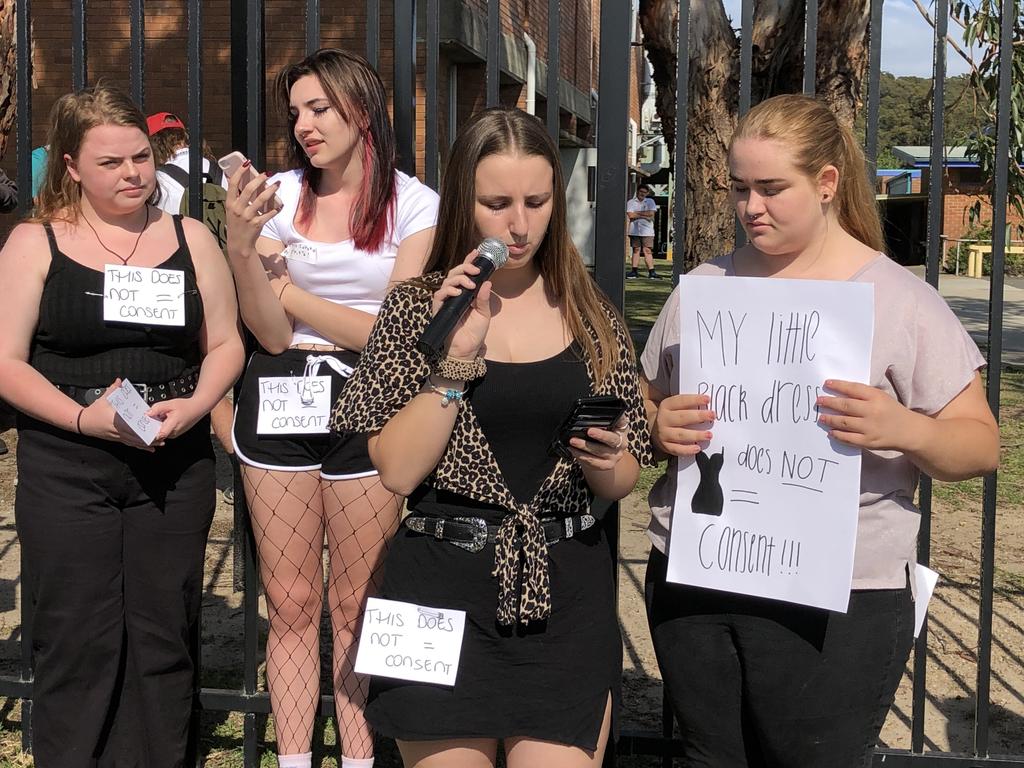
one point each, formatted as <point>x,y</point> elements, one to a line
<point>391,372</point>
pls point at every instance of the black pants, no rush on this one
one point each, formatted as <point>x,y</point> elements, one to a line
<point>768,684</point>
<point>113,540</point>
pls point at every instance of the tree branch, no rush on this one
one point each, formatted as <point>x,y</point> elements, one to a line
<point>956,47</point>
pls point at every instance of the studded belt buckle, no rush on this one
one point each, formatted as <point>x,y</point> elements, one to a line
<point>479,534</point>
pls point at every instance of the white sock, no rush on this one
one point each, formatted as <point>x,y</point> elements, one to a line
<point>304,760</point>
<point>355,762</point>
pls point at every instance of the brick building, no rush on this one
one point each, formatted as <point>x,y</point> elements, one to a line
<point>461,74</point>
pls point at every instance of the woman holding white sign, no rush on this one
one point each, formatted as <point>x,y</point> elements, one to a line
<point>113,518</point>
<point>311,277</point>
<point>500,524</point>
<point>759,682</point>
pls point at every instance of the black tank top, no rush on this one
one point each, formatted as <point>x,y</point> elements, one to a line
<point>74,345</point>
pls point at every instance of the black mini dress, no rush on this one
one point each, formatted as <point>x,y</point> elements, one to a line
<point>549,679</point>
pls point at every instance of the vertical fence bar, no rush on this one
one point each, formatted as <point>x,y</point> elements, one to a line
<point>312,26</point>
<point>373,33</point>
<point>810,46</point>
<point>23,137</point>
<point>405,84</point>
<point>493,51</point>
<point>554,62</point>
<point>679,255</point>
<point>431,148</point>
<point>746,62</point>
<point>195,207</point>
<point>874,81</point>
<point>23,146</point>
<point>935,196</point>
<point>137,63</point>
<point>195,108</point>
<point>610,232</point>
<point>79,75</point>
<point>995,361</point>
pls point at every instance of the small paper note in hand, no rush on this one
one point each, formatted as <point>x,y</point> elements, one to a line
<point>924,585</point>
<point>132,408</point>
<point>410,642</point>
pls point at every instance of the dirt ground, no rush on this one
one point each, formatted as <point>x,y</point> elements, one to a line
<point>952,644</point>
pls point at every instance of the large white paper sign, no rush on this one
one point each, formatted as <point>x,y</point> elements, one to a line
<point>143,295</point>
<point>410,642</point>
<point>294,405</point>
<point>769,507</point>
<point>132,408</point>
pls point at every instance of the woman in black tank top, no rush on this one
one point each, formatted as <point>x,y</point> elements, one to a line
<point>106,293</point>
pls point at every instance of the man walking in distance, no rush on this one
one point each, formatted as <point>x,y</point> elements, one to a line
<point>640,211</point>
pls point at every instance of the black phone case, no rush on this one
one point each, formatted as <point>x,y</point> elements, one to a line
<point>601,411</point>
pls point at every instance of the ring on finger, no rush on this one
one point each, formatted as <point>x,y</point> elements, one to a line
<point>619,444</point>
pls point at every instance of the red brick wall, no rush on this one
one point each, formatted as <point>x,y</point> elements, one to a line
<point>343,23</point>
<point>960,194</point>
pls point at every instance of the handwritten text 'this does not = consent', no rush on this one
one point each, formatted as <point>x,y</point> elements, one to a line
<point>787,340</point>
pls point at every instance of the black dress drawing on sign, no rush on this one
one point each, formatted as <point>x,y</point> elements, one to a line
<point>708,499</point>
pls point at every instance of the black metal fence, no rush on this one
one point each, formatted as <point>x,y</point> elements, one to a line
<point>419,23</point>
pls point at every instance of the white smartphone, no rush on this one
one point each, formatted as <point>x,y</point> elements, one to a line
<point>230,164</point>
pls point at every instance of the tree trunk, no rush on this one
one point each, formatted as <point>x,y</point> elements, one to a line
<point>777,67</point>
<point>8,103</point>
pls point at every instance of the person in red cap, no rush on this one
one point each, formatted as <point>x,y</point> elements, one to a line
<point>169,137</point>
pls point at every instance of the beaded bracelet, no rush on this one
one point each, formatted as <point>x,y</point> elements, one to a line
<point>448,394</point>
<point>459,370</point>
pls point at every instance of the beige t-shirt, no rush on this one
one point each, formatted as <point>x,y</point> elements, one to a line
<point>921,355</point>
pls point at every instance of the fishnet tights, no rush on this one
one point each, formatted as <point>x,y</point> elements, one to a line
<point>291,512</point>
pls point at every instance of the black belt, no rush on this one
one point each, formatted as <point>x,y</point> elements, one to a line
<point>183,386</point>
<point>473,533</point>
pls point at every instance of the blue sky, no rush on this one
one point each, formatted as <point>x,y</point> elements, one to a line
<point>906,39</point>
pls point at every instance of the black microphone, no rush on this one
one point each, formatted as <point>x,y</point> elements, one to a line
<point>493,254</point>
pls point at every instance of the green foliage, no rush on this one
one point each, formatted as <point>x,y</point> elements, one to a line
<point>980,20</point>
<point>904,109</point>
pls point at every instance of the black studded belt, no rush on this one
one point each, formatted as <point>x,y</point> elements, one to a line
<point>473,533</point>
<point>183,386</point>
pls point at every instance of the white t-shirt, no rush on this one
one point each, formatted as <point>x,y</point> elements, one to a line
<point>641,227</point>
<point>171,191</point>
<point>339,272</point>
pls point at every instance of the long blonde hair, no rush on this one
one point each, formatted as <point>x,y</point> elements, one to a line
<point>503,130</point>
<point>73,114</point>
<point>809,129</point>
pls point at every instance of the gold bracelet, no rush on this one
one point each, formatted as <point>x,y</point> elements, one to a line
<point>459,370</point>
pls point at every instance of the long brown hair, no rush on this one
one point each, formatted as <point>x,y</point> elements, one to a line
<point>356,93</point>
<point>503,130</point>
<point>816,139</point>
<point>72,115</point>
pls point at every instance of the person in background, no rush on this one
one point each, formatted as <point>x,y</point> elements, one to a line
<point>640,211</point>
<point>311,277</point>
<point>112,529</point>
<point>39,158</point>
<point>755,681</point>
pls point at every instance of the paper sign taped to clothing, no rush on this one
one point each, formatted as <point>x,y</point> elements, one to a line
<point>294,405</point>
<point>410,642</point>
<point>130,406</point>
<point>770,507</point>
<point>143,295</point>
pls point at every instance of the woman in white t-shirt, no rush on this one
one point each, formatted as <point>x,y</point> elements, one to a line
<point>311,277</point>
<point>755,681</point>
